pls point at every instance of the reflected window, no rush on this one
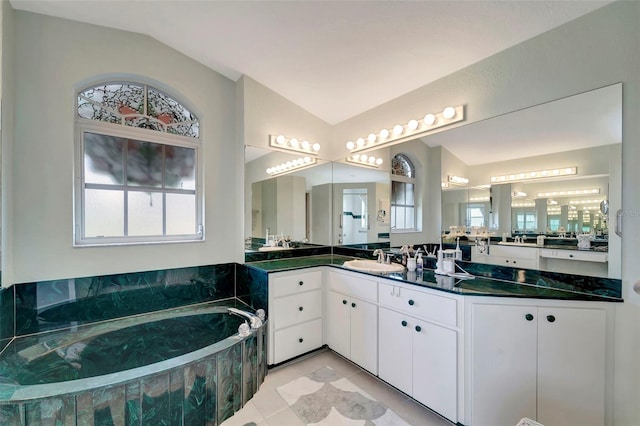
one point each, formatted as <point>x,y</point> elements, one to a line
<point>403,204</point>
<point>137,176</point>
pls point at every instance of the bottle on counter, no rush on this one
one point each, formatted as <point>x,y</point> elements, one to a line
<point>419,263</point>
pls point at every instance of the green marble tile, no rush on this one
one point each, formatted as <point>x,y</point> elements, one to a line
<point>249,368</point>
<point>58,411</point>
<point>12,414</point>
<point>229,398</point>
<point>133,404</point>
<point>155,401</point>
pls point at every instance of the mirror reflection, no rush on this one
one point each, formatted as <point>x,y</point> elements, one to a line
<point>287,200</point>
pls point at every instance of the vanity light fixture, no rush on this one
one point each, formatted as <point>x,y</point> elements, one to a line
<point>536,174</point>
<point>519,194</point>
<point>292,144</point>
<point>458,180</point>
<point>569,193</point>
<point>413,129</point>
<point>525,204</point>
<point>444,185</point>
<point>365,160</point>
<point>293,165</point>
<point>478,198</point>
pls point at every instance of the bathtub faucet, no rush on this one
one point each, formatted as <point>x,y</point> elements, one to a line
<point>254,320</point>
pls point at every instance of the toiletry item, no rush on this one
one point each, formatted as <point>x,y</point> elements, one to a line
<point>419,263</point>
<point>504,237</point>
<point>458,252</point>
<point>411,264</point>
<point>448,261</point>
<point>540,240</point>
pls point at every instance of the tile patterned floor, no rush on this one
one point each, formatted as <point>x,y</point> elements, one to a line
<point>267,408</point>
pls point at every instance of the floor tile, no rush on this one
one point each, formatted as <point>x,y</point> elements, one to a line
<point>267,408</point>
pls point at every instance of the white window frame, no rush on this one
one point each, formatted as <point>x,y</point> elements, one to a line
<point>82,126</point>
<point>404,179</point>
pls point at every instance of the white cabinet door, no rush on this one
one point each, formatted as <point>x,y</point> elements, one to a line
<point>435,367</point>
<point>503,370</point>
<point>339,323</point>
<point>395,359</point>
<point>571,366</point>
<point>364,334</point>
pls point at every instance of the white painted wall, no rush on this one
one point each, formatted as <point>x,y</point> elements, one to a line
<point>54,58</point>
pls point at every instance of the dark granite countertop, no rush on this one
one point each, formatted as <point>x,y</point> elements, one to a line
<point>494,281</point>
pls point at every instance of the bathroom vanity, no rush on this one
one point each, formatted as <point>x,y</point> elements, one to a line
<point>478,352</point>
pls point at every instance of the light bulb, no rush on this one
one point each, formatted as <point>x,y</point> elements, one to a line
<point>355,156</point>
<point>305,145</point>
<point>449,112</point>
<point>269,170</point>
<point>307,159</point>
<point>360,142</point>
<point>289,164</point>
<point>293,142</point>
<point>412,124</point>
<point>397,130</point>
<point>429,119</point>
<point>350,145</point>
<point>315,147</point>
<point>372,160</point>
<point>384,133</point>
<point>379,161</point>
<point>280,139</point>
<point>371,138</point>
<point>363,157</point>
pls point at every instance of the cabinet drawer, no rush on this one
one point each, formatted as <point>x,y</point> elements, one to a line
<point>353,285</point>
<point>295,283</point>
<point>530,253</point>
<point>419,304</point>
<point>585,256</point>
<point>295,309</point>
<point>514,262</point>
<point>296,340</point>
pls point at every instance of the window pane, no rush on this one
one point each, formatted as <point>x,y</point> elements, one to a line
<point>180,168</point>
<point>400,218</point>
<point>144,164</point>
<point>103,161</point>
<point>103,213</point>
<point>409,218</point>
<point>145,213</point>
<point>409,194</point>
<point>181,214</point>
<point>398,193</point>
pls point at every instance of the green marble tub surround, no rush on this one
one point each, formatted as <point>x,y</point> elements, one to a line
<point>204,386</point>
<point>252,287</point>
<point>49,305</point>
<point>7,316</point>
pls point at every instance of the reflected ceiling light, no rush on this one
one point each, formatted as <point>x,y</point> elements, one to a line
<point>552,202</point>
<point>292,165</point>
<point>585,201</point>
<point>536,174</point>
<point>570,192</point>
<point>413,128</point>
<point>444,184</point>
<point>292,144</point>
<point>526,204</point>
<point>478,198</point>
<point>519,194</point>
<point>365,160</point>
<point>458,180</point>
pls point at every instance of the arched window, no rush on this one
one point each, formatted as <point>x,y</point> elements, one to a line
<point>137,174</point>
<point>403,204</point>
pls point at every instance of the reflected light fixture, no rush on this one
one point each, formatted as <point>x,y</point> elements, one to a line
<point>536,174</point>
<point>525,204</point>
<point>478,198</point>
<point>413,128</point>
<point>291,166</point>
<point>571,192</point>
<point>444,184</point>
<point>458,180</point>
<point>292,144</point>
<point>365,160</point>
<point>585,201</point>
<point>519,194</point>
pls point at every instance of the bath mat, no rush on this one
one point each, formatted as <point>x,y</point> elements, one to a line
<point>325,398</point>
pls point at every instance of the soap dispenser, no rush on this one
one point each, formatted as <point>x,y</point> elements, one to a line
<point>419,262</point>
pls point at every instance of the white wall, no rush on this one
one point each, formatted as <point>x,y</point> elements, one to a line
<point>53,59</point>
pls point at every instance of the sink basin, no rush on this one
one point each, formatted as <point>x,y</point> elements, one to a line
<point>365,265</point>
<point>509,243</point>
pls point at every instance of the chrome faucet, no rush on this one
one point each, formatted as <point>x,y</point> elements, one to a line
<point>380,254</point>
<point>254,320</point>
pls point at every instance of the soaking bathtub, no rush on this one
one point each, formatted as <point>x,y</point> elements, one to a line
<point>182,366</point>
